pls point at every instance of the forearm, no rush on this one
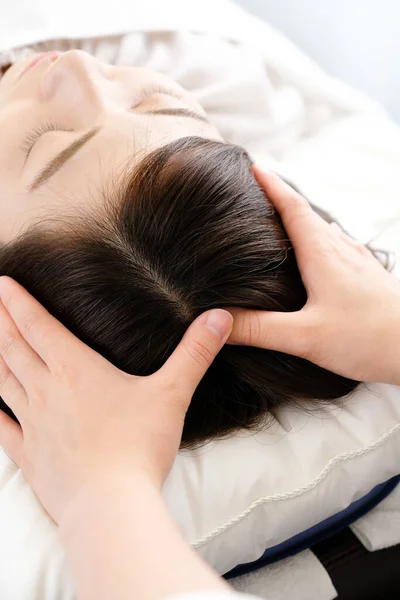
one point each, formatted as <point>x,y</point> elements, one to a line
<point>121,543</point>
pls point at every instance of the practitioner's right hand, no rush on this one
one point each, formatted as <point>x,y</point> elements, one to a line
<point>351,321</point>
<point>84,423</point>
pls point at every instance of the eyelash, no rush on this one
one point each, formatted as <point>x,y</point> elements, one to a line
<point>36,133</point>
<point>153,88</point>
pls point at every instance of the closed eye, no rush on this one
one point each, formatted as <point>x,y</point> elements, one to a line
<point>36,133</point>
<point>154,89</point>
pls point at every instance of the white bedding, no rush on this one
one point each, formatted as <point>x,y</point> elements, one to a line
<point>336,145</point>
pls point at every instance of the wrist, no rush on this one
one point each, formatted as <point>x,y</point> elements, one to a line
<point>120,521</point>
<point>104,490</point>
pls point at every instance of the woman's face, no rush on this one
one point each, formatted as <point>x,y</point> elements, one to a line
<point>69,121</point>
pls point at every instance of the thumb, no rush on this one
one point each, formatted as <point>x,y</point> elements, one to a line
<point>281,331</point>
<point>197,350</point>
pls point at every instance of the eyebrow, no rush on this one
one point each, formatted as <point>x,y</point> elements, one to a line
<point>178,112</point>
<point>60,159</point>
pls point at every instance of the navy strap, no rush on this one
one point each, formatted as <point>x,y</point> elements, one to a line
<point>321,531</point>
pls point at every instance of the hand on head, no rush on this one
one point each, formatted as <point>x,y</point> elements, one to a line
<point>350,323</point>
<point>80,416</point>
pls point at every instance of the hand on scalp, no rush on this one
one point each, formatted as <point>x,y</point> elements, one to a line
<point>350,323</point>
<point>81,417</point>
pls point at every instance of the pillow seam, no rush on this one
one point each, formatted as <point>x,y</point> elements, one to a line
<point>330,465</point>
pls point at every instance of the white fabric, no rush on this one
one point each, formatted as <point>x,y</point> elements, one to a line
<point>234,498</point>
<point>299,577</point>
<point>380,528</point>
<point>279,482</point>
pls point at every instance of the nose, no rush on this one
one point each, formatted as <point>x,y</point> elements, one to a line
<point>75,80</point>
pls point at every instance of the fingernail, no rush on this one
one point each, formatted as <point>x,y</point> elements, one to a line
<point>219,322</point>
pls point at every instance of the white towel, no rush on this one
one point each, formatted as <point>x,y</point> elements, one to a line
<point>300,577</point>
<point>380,528</point>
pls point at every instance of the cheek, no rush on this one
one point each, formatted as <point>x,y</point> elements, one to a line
<point>8,81</point>
<point>13,127</point>
<point>6,76</point>
<point>10,166</point>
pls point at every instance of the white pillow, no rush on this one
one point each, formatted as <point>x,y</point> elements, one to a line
<point>233,498</point>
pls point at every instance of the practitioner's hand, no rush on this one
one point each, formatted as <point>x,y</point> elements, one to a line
<point>80,416</point>
<point>351,321</point>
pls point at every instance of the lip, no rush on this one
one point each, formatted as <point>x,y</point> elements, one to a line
<point>37,59</point>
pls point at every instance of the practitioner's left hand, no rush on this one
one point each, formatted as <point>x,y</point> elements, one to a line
<point>80,416</point>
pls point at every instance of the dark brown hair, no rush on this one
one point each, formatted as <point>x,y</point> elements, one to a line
<point>187,230</point>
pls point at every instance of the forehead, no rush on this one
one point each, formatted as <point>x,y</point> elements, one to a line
<point>122,141</point>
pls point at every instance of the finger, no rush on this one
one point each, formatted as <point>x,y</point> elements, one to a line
<point>284,332</point>
<point>17,354</point>
<point>11,391</point>
<point>46,336</point>
<point>197,350</point>
<point>355,244</point>
<point>11,438</point>
<point>335,227</point>
<point>301,223</point>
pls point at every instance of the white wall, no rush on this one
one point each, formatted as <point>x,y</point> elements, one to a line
<point>355,40</point>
